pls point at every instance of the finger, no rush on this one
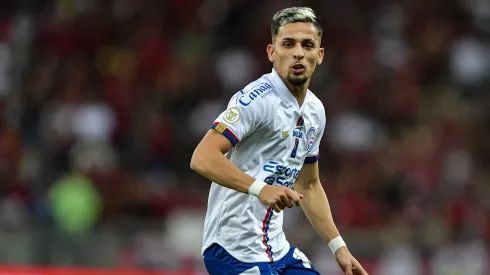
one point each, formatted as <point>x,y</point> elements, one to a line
<point>286,201</point>
<point>298,202</point>
<point>281,205</point>
<point>293,195</point>
<point>348,269</point>
<point>360,270</point>
<point>276,208</point>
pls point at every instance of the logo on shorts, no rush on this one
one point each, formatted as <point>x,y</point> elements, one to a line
<point>310,138</point>
<point>285,134</point>
<point>232,115</point>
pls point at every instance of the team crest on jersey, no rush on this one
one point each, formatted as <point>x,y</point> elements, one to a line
<point>310,138</point>
<point>232,115</point>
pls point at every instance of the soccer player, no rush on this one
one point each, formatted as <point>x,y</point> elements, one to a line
<point>266,141</point>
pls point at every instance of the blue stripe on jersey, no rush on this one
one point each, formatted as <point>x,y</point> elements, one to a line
<point>312,159</point>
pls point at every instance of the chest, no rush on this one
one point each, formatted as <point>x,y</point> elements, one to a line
<point>293,133</point>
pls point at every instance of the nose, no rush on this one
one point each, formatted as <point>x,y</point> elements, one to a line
<point>298,52</point>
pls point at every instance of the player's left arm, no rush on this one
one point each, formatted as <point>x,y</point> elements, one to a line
<point>317,209</point>
<point>315,202</point>
<point>316,206</point>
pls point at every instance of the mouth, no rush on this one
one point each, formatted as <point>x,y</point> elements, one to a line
<point>298,68</point>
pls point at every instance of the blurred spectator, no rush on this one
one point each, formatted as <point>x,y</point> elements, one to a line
<point>75,204</point>
<point>469,61</point>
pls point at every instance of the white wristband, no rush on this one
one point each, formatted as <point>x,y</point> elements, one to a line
<point>336,243</point>
<point>256,187</point>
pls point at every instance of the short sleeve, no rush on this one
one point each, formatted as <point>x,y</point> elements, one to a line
<point>314,137</point>
<point>238,120</point>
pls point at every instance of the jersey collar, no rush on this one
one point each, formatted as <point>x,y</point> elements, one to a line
<point>284,92</point>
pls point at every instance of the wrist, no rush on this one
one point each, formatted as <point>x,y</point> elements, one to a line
<point>336,243</point>
<point>256,187</point>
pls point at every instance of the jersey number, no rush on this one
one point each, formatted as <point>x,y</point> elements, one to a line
<point>298,134</point>
<point>295,148</point>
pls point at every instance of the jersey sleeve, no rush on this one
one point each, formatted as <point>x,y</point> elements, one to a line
<point>314,137</point>
<point>238,120</point>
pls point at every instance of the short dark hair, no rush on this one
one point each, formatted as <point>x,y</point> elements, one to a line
<point>294,15</point>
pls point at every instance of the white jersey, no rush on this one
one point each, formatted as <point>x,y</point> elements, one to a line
<point>272,137</point>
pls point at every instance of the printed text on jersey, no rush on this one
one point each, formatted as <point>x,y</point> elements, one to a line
<point>281,175</point>
<point>245,98</point>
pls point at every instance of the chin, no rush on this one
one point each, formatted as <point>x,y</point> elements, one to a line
<point>297,80</point>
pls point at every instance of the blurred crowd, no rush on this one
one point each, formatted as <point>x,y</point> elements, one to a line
<point>103,102</point>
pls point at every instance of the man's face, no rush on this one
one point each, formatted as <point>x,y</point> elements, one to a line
<point>295,52</point>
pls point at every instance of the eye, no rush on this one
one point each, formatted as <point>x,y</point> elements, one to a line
<point>309,45</point>
<point>288,44</point>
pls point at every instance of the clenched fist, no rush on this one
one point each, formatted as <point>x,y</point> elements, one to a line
<point>279,197</point>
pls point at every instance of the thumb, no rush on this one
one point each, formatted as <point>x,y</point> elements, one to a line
<point>348,269</point>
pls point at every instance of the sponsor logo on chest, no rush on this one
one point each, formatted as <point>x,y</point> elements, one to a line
<point>259,91</point>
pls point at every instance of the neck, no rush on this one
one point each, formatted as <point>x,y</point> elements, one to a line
<point>299,92</point>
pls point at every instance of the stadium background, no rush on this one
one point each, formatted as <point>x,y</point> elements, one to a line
<point>103,102</point>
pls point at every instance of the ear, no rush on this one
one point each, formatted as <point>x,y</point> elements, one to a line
<point>271,53</point>
<point>321,53</point>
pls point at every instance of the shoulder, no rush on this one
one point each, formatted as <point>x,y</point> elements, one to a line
<point>316,104</point>
<point>257,95</point>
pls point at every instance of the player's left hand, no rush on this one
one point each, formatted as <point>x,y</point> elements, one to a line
<point>347,263</point>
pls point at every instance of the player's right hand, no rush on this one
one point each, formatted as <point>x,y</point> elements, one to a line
<point>279,197</point>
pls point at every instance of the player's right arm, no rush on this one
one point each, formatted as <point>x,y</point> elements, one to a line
<point>208,159</point>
